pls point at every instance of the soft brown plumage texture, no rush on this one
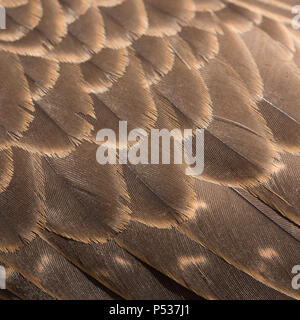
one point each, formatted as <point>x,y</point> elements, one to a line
<point>73,229</point>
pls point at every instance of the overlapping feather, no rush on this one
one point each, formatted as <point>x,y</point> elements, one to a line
<point>72,67</point>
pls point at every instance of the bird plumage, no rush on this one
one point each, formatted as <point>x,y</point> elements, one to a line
<point>71,228</point>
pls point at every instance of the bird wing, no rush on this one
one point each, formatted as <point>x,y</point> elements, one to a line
<point>71,228</point>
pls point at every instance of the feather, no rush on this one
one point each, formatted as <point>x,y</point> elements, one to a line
<point>6,171</point>
<point>281,191</point>
<point>78,207</point>
<point>155,56</point>
<point>190,264</point>
<point>6,295</point>
<point>209,5</point>
<point>19,20</point>
<point>80,42</point>
<point>236,53</point>
<point>32,44</point>
<point>13,3</point>
<point>206,21</point>
<point>52,132</point>
<point>280,77</point>
<point>53,25</point>
<point>52,273</point>
<point>238,149</point>
<point>108,3</point>
<point>124,23</point>
<point>130,97</point>
<point>270,9</point>
<point>183,52</point>
<point>73,9</point>
<point>57,105</point>
<point>23,288</point>
<point>115,268</point>
<point>255,17</point>
<point>177,192</point>
<point>278,32</point>
<point>21,203</point>
<point>234,20</point>
<point>231,224</point>
<point>204,44</point>
<point>104,69</point>
<point>74,229</point>
<point>165,18</point>
<point>188,94</point>
<point>41,75</point>
<point>15,102</point>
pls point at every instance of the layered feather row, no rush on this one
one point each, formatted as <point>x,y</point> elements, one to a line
<point>69,68</point>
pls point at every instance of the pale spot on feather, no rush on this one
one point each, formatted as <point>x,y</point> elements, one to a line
<point>185,261</point>
<point>122,261</point>
<point>280,166</point>
<point>43,262</point>
<point>268,253</point>
<point>200,205</point>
